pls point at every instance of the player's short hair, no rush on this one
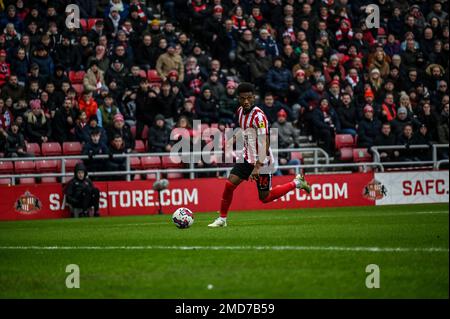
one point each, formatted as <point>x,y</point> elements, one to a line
<point>245,87</point>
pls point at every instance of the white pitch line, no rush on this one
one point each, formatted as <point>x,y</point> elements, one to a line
<point>275,248</point>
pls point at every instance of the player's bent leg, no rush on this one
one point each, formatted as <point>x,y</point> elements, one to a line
<point>227,197</point>
<point>281,190</point>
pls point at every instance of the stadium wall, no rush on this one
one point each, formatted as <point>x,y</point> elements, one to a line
<point>44,201</point>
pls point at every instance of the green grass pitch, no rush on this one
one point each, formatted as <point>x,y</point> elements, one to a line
<point>315,253</point>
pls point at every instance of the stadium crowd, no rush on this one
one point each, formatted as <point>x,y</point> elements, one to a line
<point>126,74</point>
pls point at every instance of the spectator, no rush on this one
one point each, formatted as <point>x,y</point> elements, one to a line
<point>159,136</point>
<point>81,194</point>
<point>406,138</point>
<point>325,124</point>
<point>207,107</point>
<point>386,138</point>
<point>15,142</point>
<point>13,89</point>
<point>5,69</point>
<point>122,129</point>
<point>278,79</point>
<point>288,137</point>
<point>245,54</point>
<point>228,103</point>
<point>368,128</point>
<point>106,112</point>
<point>428,117</point>
<point>64,122</point>
<point>170,61</point>
<point>87,103</point>
<point>93,78</point>
<point>95,146</point>
<point>115,163</point>
<point>271,107</point>
<point>260,66</point>
<point>92,124</point>
<point>401,120</point>
<point>38,128</point>
<point>347,115</point>
<point>389,110</point>
<point>42,58</point>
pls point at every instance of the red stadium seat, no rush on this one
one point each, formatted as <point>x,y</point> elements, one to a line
<point>47,166</point>
<point>51,149</point>
<point>151,162</point>
<point>346,154</point>
<point>5,181</point>
<point>174,175</point>
<point>84,24</point>
<point>168,162</point>
<point>76,77</point>
<point>49,180</point>
<point>79,88</point>
<point>70,164</point>
<point>6,167</point>
<point>137,177</point>
<point>71,148</point>
<point>297,155</point>
<point>344,140</point>
<point>24,167</point>
<point>142,74</point>
<point>179,132</point>
<point>135,163</point>
<point>140,146</point>
<point>144,133</point>
<point>91,23</point>
<point>27,181</point>
<point>214,125</point>
<point>153,76</point>
<point>150,176</point>
<point>133,131</point>
<point>361,155</point>
<point>34,148</point>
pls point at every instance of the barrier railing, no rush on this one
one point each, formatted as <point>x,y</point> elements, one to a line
<point>191,156</point>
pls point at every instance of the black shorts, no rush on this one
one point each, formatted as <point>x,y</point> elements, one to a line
<point>244,170</point>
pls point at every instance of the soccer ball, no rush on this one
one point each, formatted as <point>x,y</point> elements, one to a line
<point>183,217</point>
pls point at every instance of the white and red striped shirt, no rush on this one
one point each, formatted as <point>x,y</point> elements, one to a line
<point>255,128</point>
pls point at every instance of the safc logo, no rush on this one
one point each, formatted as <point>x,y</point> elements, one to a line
<point>374,190</point>
<point>28,204</point>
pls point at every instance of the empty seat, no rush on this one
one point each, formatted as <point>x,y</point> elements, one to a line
<point>142,74</point>
<point>6,167</point>
<point>297,155</point>
<point>5,181</point>
<point>361,155</point>
<point>49,180</point>
<point>150,162</point>
<point>47,166</point>
<point>79,88</point>
<point>133,131</point>
<point>153,76</point>
<point>169,162</point>
<point>344,140</point>
<point>76,77</point>
<point>150,176</point>
<point>72,148</point>
<point>346,154</point>
<point>24,167</point>
<point>174,175</point>
<point>144,135</point>
<point>135,163</point>
<point>84,24</point>
<point>70,164</point>
<point>34,148</point>
<point>51,149</point>
<point>91,23</point>
<point>140,146</point>
<point>27,181</point>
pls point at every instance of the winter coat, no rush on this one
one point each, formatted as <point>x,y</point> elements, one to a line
<point>368,131</point>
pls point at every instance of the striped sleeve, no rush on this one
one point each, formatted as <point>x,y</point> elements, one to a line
<point>260,123</point>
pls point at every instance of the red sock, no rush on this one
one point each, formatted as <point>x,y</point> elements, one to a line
<point>279,191</point>
<point>227,197</point>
